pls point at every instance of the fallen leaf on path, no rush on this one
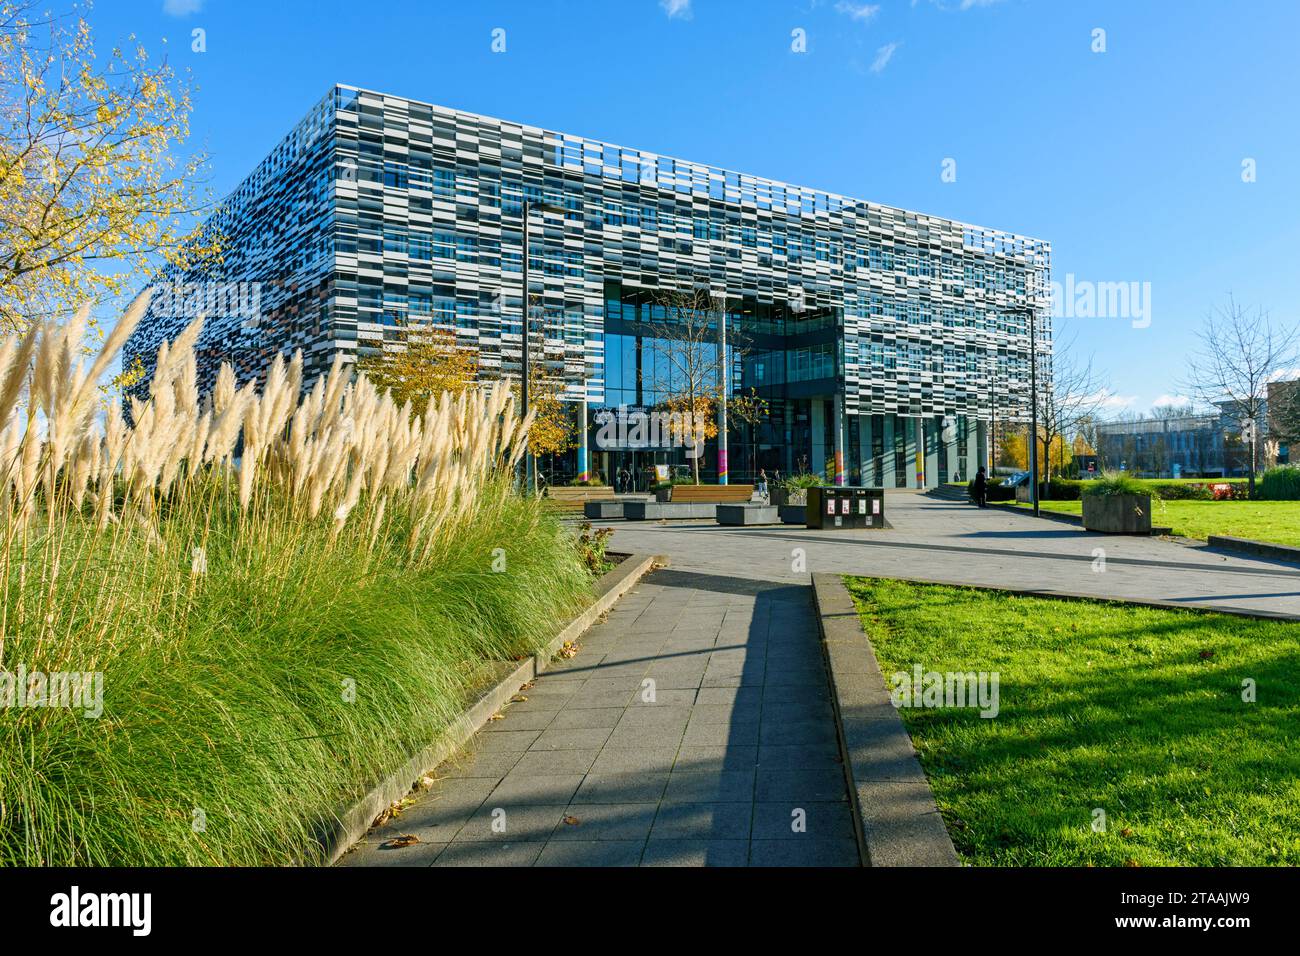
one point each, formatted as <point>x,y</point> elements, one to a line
<point>406,839</point>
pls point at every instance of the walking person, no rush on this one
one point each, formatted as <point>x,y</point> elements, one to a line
<point>762,482</point>
<point>979,488</point>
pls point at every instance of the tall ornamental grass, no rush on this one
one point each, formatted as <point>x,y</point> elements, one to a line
<point>282,595</point>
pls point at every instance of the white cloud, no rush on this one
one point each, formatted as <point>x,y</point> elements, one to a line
<point>960,4</point>
<point>1175,401</point>
<point>862,12</point>
<point>1108,401</point>
<point>181,8</point>
<point>884,55</point>
<point>676,9</point>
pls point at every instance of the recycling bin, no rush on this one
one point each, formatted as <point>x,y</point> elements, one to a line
<point>869,507</point>
<point>845,507</point>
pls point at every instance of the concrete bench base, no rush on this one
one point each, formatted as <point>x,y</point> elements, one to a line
<point>603,509</point>
<point>747,514</point>
<point>655,510</point>
<point>793,514</point>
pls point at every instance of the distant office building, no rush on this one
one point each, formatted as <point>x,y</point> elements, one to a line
<point>881,338</point>
<point>1284,418</point>
<point>1205,445</point>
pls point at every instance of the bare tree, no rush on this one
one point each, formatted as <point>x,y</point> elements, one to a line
<point>1070,398</point>
<point>1241,351</point>
<point>690,372</point>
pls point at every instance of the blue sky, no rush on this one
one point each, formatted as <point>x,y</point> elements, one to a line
<point>1130,161</point>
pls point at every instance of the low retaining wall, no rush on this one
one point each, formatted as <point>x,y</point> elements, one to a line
<point>895,818</point>
<point>747,514</point>
<point>1255,549</point>
<point>602,510</point>
<point>353,822</point>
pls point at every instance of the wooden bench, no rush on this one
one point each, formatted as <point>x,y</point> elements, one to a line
<point>575,497</point>
<point>712,494</point>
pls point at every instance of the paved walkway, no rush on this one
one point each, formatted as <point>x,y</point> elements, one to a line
<point>737,744</point>
<point>957,542</point>
<point>693,728</point>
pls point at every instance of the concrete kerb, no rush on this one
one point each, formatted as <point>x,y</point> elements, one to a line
<point>895,818</point>
<point>1076,520</point>
<point>353,822</point>
<point>1259,615</point>
<point>1254,549</point>
<point>1219,542</point>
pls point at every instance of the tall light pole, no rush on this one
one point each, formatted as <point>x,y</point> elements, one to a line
<point>993,417</point>
<point>722,404</point>
<point>1031,314</point>
<point>530,466</point>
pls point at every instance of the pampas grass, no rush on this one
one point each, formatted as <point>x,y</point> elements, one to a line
<point>286,593</point>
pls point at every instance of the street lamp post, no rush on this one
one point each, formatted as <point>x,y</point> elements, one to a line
<point>530,466</point>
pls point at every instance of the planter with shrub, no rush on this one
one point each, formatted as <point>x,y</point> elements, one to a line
<point>794,490</point>
<point>1117,504</point>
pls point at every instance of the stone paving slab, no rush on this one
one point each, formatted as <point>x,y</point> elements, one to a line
<point>693,728</point>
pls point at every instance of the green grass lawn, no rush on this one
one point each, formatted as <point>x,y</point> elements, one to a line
<point>1276,521</point>
<point>1135,711</point>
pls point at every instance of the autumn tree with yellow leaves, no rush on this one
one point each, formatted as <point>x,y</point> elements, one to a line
<point>554,430</point>
<point>93,195</point>
<point>423,363</point>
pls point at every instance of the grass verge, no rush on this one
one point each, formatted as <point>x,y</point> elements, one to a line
<point>1137,712</point>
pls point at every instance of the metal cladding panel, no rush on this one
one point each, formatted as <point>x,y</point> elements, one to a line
<point>378,211</point>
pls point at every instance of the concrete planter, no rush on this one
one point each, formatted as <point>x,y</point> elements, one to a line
<point>664,495</point>
<point>793,514</point>
<point>1117,514</point>
<point>787,496</point>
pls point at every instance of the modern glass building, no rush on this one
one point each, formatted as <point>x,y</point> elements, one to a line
<point>880,339</point>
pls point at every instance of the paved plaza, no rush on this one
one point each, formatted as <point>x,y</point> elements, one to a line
<point>957,542</point>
